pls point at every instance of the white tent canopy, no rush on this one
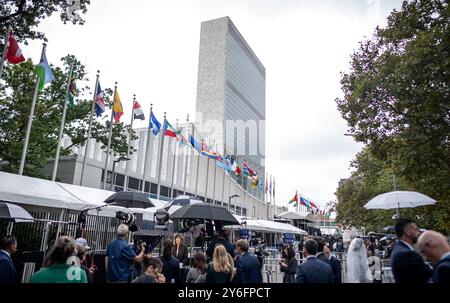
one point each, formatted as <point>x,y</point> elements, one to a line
<point>297,216</point>
<point>40,192</point>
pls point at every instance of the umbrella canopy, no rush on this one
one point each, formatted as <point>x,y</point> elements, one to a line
<point>388,237</point>
<point>399,199</point>
<point>130,199</point>
<point>179,202</point>
<point>205,211</point>
<point>12,212</point>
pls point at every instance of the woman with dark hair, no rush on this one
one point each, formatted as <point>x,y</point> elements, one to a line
<point>197,274</point>
<point>179,250</point>
<point>289,265</point>
<point>151,271</point>
<point>171,265</point>
<point>58,265</point>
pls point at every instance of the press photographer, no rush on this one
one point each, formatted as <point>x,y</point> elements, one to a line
<point>120,257</point>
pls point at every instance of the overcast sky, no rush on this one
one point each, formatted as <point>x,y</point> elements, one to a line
<point>151,49</point>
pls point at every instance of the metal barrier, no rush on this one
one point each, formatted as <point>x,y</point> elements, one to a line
<point>28,271</point>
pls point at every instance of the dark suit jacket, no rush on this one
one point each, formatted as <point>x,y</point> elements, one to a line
<point>248,269</point>
<point>182,255</point>
<point>171,269</point>
<point>337,269</point>
<point>7,270</point>
<point>314,271</point>
<point>408,266</point>
<point>289,271</point>
<point>441,272</point>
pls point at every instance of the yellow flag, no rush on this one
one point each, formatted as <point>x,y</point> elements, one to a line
<point>117,108</point>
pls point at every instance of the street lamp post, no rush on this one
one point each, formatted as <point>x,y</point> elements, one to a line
<point>113,175</point>
<point>229,200</point>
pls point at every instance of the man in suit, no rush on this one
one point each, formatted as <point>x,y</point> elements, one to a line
<point>248,266</point>
<point>335,264</point>
<point>313,270</point>
<point>8,246</point>
<point>407,265</point>
<point>437,250</point>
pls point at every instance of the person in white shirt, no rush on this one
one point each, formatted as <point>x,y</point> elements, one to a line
<point>374,265</point>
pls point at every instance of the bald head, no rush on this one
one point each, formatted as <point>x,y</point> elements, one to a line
<point>433,245</point>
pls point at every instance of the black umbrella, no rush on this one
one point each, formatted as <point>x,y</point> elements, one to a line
<point>130,199</point>
<point>207,212</point>
<point>12,212</point>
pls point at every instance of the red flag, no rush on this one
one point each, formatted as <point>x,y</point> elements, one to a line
<point>238,170</point>
<point>14,54</point>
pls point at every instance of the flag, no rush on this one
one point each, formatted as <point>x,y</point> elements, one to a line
<point>99,100</point>
<point>117,108</point>
<point>13,52</point>
<point>248,169</point>
<point>44,72</point>
<point>270,186</point>
<point>195,144</point>
<point>266,188</point>
<point>294,200</point>
<point>260,185</point>
<point>274,187</point>
<point>255,179</point>
<point>72,93</point>
<point>313,205</point>
<point>137,111</point>
<point>155,126</point>
<point>305,202</point>
<point>238,169</point>
<point>168,129</point>
<point>206,151</point>
<point>224,164</point>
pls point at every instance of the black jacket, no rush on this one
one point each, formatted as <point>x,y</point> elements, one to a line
<point>7,270</point>
<point>182,255</point>
<point>290,270</point>
<point>441,272</point>
<point>314,271</point>
<point>408,266</point>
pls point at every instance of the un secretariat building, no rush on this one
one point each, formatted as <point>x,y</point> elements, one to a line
<point>230,114</point>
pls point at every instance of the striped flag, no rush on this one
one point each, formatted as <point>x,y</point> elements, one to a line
<point>99,100</point>
<point>44,72</point>
<point>117,108</point>
<point>72,93</point>
<point>137,111</point>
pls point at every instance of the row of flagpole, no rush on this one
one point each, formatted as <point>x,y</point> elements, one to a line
<point>46,76</point>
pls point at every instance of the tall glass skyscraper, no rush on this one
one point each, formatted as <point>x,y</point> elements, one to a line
<point>231,102</point>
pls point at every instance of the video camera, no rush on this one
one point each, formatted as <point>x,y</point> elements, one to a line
<point>128,219</point>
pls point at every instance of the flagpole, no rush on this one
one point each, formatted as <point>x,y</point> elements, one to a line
<point>214,179</point>
<point>173,164</point>
<point>86,150</point>
<point>186,157</point>
<point>196,177</point>
<point>30,118</point>
<point>109,141</point>
<point>5,48</point>
<point>61,129</point>
<point>147,152</point>
<point>274,196</point>
<point>207,174</point>
<point>160,155</point>
<point>130,133</point>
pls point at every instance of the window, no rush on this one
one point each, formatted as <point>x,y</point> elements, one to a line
<point>134,183</point>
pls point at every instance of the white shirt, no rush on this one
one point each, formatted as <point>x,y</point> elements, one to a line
<point>7,253</point>
<point>407,244</point>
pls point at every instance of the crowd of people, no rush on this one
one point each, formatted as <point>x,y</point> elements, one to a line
<point>224,262</point>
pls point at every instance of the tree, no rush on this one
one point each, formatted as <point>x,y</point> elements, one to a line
<point>396,99</point>
<point>26,15</point>
<point>15,102</point>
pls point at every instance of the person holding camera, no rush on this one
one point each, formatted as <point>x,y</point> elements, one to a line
<point>151,271</point>
<point>120,257</point>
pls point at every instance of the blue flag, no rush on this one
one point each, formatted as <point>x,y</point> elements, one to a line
<point>195,144</point>
<point>155,126</point>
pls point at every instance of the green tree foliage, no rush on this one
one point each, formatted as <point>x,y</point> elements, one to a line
<point>396,101</point>
<point>15,103</point>
<point>25,15</point>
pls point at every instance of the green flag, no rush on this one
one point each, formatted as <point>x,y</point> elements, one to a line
<point>44,72</point>
<point>72,93</point>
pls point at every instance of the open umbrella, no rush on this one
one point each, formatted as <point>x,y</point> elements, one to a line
<point>205,211</point>
<point>399,199</point>
<point>130,199</point>
<point>15,213</point>
<point>179,202</point>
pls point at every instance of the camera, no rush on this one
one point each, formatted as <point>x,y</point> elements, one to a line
<point>128,219</point>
